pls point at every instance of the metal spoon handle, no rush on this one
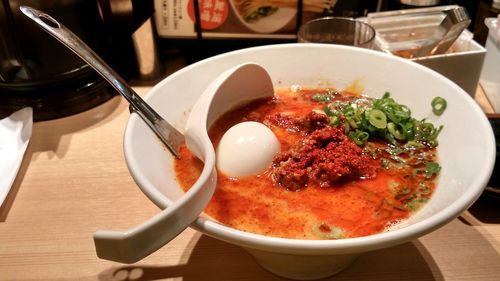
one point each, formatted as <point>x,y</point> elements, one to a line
<point>168,134</point>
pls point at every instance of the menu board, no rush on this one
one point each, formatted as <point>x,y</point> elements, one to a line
<point>236,18</point>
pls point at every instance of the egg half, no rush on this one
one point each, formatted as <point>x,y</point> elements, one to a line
<point>246,149</point>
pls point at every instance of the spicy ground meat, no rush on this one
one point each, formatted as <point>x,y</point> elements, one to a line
<point>308,123</point>
<point>326,156</point>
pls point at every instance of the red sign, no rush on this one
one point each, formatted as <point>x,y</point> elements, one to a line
<point>213,13</point>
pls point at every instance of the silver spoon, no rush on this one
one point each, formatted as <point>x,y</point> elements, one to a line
<point>167,133</point>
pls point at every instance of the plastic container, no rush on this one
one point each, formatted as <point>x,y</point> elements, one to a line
<point>462,64</point>
<point>404,32</point>
<point>490,74</point>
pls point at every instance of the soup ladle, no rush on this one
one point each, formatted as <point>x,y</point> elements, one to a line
<point>233,87</point>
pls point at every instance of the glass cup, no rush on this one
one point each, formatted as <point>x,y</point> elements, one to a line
<point>337,30</point>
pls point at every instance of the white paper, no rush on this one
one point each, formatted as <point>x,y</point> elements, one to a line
<point>15,133</point>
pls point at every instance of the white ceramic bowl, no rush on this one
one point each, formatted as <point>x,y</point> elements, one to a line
<point>467,148</point>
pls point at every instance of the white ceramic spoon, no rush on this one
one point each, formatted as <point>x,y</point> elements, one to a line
<point>235,86</point>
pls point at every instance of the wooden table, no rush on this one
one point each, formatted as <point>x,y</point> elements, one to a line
<point>74,180</point>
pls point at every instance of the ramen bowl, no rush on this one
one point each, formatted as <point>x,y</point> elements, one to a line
<point>466,150</point>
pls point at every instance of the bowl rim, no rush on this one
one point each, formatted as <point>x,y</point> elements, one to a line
<point>322,247</point>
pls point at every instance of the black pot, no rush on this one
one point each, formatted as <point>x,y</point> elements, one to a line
<point>38,71</point>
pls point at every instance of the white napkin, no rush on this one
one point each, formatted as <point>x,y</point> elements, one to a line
<point>15,133</point>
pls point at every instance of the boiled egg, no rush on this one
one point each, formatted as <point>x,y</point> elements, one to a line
<point>246,149</point>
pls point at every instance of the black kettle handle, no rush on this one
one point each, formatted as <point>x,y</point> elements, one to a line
<point>10,53</point>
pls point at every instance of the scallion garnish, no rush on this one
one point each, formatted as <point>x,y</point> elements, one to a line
<point>438,105</point>
<point>395,131</point>
<point>377,118</point>
<point>432,169</point>
<point>322,97</point>
<point>383,118</point>
<point>359,137</point>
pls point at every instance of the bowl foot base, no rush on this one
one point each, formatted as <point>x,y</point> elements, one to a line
<point>302,267</point>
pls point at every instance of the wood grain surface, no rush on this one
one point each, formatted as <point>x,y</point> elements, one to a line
<point>74,181</point>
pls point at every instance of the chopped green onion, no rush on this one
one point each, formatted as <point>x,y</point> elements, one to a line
<point>398,159</point>
<point>394,150</point>
<point>432,169</point>
<point>328,111</point>
<point>359,137</point>
<point>349,112</point>
<point>385,162</point>
<point>334,121</point>
<point>389,137</point>
<point>393,184</point>
<point>424,189</point>
<point>398,134</point>
<point>322,97</point>
<point>377,118</point>
<point>416,203</point>
<point>353,123</point>
<point>347,127</point>
<point>413,145</point>
<point>438,105</point>
<point>380,118</point>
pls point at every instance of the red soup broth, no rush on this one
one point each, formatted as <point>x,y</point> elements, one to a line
<point>349,208</point>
